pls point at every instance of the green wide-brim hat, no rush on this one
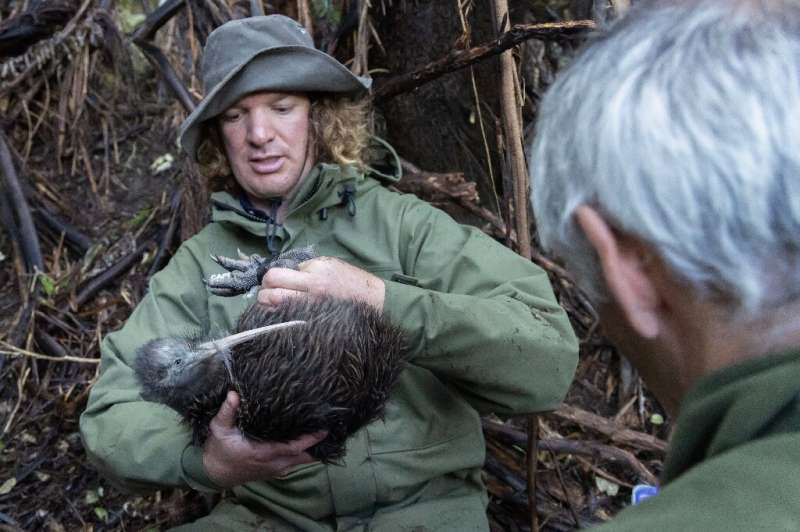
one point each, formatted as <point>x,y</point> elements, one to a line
<point>270,53</point>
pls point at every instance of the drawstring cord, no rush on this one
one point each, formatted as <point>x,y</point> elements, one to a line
<point>272,240</point>
<point>348,195</point>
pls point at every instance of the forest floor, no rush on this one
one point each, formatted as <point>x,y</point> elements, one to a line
<point>115,184</point>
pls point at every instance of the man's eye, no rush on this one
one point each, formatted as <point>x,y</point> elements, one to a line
<point>230,117</point>
<point>283,109</point>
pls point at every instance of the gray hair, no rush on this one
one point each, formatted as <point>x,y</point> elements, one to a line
<point>681,126</point>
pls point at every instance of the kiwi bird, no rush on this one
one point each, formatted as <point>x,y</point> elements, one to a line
<point>325,365</point>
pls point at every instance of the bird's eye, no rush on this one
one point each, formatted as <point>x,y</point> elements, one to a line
<point>178,362</point>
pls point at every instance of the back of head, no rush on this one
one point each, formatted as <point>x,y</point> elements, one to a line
<point>681,126</point>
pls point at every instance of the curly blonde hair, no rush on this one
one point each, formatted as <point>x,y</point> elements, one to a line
<point>340,129</point>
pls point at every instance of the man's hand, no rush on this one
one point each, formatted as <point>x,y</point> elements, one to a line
<point>322,276</point>
<point>231,459</point>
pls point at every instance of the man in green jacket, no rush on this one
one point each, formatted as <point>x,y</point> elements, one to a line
<point>282,134</point>
<point>666,173</point>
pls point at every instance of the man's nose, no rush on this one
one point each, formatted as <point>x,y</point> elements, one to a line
<point>260,129</point>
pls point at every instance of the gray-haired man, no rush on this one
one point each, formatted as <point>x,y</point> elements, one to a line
<point>666,172</point>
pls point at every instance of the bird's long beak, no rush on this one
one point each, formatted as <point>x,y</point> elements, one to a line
<point>223,344</point>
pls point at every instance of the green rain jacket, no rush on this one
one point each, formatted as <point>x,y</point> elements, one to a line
<point>485,335</point>
<point>734,463</point>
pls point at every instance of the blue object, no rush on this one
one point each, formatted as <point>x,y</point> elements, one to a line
<point>642,492</point>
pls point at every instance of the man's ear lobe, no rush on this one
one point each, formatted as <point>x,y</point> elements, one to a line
<point>624,261</point>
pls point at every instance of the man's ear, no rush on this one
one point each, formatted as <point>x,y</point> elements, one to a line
<point>624,261</point>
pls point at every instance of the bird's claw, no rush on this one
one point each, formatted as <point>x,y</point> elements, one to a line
<point>245,273</point>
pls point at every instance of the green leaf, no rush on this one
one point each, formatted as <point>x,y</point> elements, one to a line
<point>162,163</point>
<point>7,486</point>
<point>101,513</point>
<point>605,486</point>
<point>140,217</point>
<point>48,284</point>
<point>91,497</point>
<point>657,419</point>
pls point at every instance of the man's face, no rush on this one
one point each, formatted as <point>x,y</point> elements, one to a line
<point>266,139</point>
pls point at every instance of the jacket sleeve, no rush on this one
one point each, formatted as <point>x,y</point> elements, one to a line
<point>137,444</point>
<point>482,318</point>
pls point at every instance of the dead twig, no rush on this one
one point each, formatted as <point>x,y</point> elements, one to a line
<point>304,14</point>
<point>458,59</point>
<point>160,62</point>
<point>16,351</point>
<point>109,275</point>
<point>40,20</point>
<point>169,233</point>
<point>511,105</point>
<point>593,449</point>
<point>612,430</point>
<point>153,22</point>
<point>20,390</point>
<point>143,37</point>
<point>256,9</point>
<point>74,237</point>
<point>29,240</point>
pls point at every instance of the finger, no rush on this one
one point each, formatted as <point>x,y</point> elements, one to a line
<point>282,465</point>
<point>298,446</point>
<point>226,417</point>
<point>315,264</point>
<point>286,278</point>
<point>275,296</point>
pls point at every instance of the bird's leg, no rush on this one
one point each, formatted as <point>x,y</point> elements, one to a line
<point>242,275</point>
<point>245,273</point>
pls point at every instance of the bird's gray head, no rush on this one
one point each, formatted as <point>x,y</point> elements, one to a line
<point>174,370</point>
<point>168,366</point>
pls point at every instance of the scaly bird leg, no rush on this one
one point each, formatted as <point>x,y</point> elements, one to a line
<point>244,274</point>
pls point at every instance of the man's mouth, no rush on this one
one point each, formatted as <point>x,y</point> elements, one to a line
<point>267,165</point>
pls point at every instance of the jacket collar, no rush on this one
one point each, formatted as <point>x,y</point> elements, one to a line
<point>320,189</point>
<point>733,406</point>
<point>324,187</point>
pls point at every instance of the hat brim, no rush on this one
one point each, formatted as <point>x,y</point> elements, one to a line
<point>277,69</point>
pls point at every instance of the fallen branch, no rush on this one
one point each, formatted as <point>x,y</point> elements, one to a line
<point>41,20</point>
<point>15,351</point>
<point>153,22</point>
<point>29,241</point>
<point>143,36</point>
<point>160,63</point>
<point>74,237</point>
<point>49,345</point>
<point>464,194</point>
<point>63,43</point>
<point>108,276</point>
<point>612,430</point>
<point>592,449</point>
<point>459,59</point>
<point>169,233</point>
<point>503,473</point>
